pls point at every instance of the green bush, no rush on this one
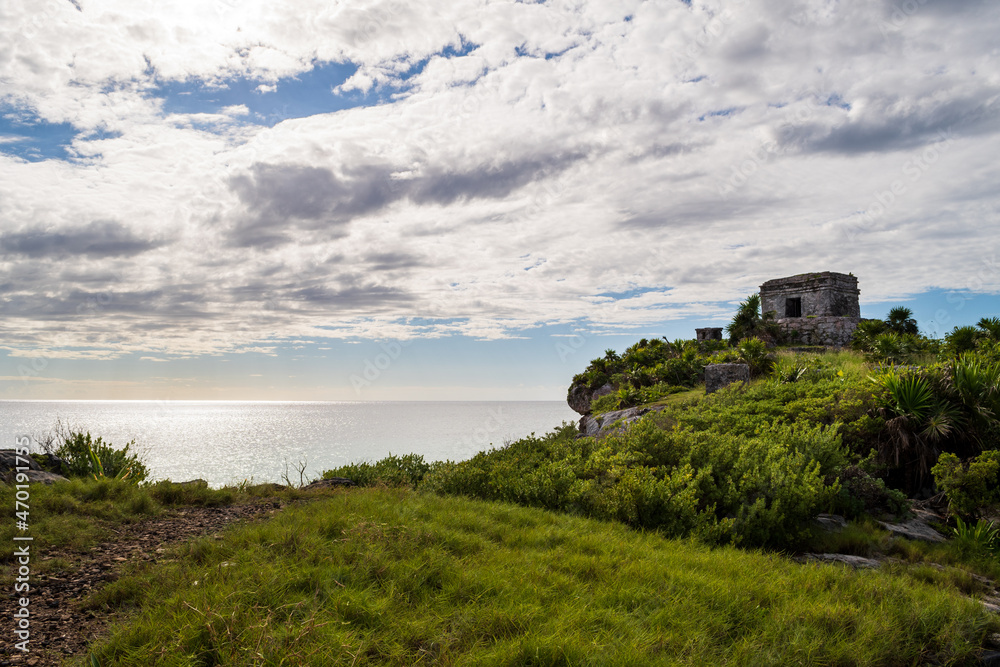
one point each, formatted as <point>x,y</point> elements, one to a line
<point>979,538</point>
<point>87,457</point>
<point>719,487</point>
<point>971,487</point>
<point>753,352</point>
<point>408,470</point>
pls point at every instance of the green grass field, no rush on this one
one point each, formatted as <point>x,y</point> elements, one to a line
<point>394,577</point>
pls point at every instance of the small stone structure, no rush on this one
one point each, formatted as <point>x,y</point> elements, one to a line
<point>814,308</point>
<point>718,376</point>
<point>709,333</point>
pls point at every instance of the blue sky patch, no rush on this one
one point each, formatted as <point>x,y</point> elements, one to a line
<point>27,137</point>
<point>303,95</point>
<point>720,112</point>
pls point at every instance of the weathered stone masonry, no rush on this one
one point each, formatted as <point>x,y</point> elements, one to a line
<point>814,308</point>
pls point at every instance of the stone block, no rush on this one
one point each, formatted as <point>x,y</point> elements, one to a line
<point>718,376</point>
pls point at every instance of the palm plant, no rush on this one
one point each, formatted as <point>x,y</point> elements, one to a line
<point>962,339</point>
<point>990,327</point>
<point>889,348</point>
<point>749,321</point>
<point>900,320</point>
<point>753,351</point>
<point>916,423</point>
<point>976,389</point>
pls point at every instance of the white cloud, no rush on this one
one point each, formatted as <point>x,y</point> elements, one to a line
<point>575,149</point>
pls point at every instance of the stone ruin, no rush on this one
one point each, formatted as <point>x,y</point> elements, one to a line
<point>814,308</point>
<point>709,333</point>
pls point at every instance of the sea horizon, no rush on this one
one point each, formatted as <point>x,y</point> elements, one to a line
<point>228,441</point>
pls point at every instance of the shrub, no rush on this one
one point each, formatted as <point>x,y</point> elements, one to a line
<point>860,493</point>
<point>866,333</point>
<point>86,457</point>
<point>714,485</point>
<point>979,538</point>
<point>961,340</point>
<point>749,322</point>
<point>753,352</point>
<point>968,487</point>
<point>408,470</point>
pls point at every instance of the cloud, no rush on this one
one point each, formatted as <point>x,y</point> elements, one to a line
<point>97,239</point>
<point>506,164</point>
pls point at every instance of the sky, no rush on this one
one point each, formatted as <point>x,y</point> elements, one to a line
<point>469,199</point>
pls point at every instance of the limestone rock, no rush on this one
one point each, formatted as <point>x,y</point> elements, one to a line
<point>915,529</point>
<point>833,523</point>
<point>45,477</point>
<point>9,462</point>
<point>846,559</point>
<point>580,396</point>
<point>718,376</point>
<point>605,424</point>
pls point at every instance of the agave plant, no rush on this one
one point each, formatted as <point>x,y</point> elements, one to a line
<point>982,536</point>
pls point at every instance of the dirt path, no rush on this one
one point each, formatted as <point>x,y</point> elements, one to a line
<point>59,629</point>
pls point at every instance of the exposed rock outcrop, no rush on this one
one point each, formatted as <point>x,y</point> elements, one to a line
<point>580,395</point>
<point>45,477</point>
<point>915,529</point>
<point>846,559</point>
<point>9,462</point>
<point>605,423</point>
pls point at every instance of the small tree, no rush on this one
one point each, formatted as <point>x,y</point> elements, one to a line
<point>900,320</point>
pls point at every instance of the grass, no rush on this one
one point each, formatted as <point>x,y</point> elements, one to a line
<point>78,514</point>
<point>395,577</point>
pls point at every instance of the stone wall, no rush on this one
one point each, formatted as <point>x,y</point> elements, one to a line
<point>825,294</point>
<point>709,333</point>
<point>834,331</point>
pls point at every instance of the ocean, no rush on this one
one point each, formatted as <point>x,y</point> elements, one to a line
<point>226,442</point>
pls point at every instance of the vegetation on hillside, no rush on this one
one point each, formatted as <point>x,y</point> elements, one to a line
<point>392,577</point>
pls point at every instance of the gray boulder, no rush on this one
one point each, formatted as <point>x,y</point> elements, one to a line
<point>9,461</point>
<point>833,523</point>
<point>43,477</point>
<point>579,396</point>
<point>605,424</point>
<point>914,529</point>
<point>851,561</point>
<point>718,376</point>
